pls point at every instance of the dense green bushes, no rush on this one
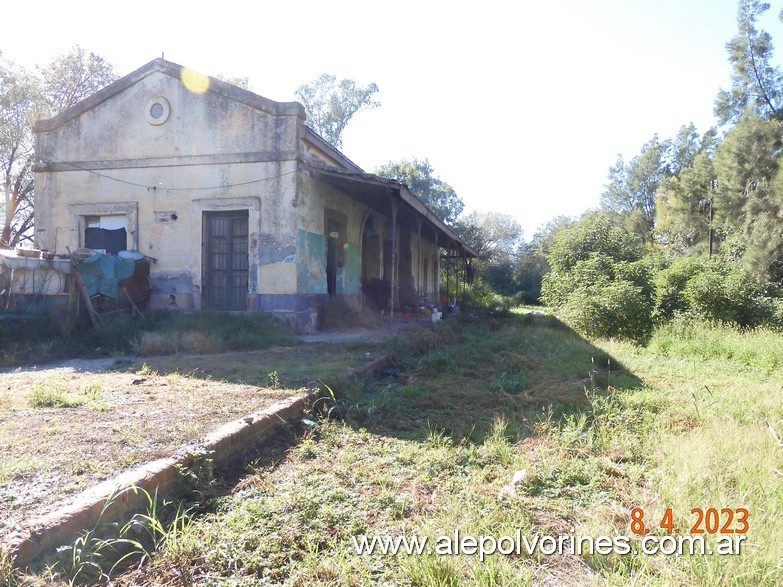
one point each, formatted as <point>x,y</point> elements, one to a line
<point>599,281</point>
<point>604,284</point>
<point>616,309</point>
<point>713,290</point>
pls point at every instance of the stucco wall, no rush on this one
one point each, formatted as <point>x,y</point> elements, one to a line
<point>206,152</point>
<point>422,249</point>
<point>317,200</point>
<point>211,154</point>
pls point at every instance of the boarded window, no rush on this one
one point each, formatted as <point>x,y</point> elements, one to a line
<point>106,233</point>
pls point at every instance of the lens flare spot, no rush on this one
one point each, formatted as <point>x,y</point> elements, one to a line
<point>198,83</point>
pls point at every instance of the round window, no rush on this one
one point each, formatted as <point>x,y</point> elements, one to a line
<point>157,111</point>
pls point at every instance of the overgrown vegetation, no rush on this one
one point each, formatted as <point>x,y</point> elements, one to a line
<point>688,227</point>
<point>158,332</point>
<point>605,284</point>
<point>340,314</point>
<point>502,424</point>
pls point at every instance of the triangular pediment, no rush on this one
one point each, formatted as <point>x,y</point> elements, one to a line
<point>173,71</point>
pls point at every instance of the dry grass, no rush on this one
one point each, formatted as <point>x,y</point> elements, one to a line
<point>68,443</point>
<point>63,429</point>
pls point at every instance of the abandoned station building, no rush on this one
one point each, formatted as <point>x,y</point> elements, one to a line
<point>237,202</point>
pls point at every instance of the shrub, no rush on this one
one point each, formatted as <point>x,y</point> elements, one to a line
<point>670,285</point>
<point>593,234</point>
<point>736,297</point>
<point>618,309</point>
<point>480,294</point>
<point>640,273</point>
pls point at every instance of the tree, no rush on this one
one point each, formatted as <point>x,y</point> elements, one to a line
<point>686,207</point>
<point>531,260</point>
<point>419,176</point>
<point>756,85</point>
<point>72,77</point>
<point>632,188</point>
<point>749,195</point>
<point>24,98</point>
<point>20,105</point>
<point>595,233</point>
<point>330,104</point>
<point>494,236</point>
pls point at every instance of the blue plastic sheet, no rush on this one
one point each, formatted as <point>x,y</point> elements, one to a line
<point>102,273</point>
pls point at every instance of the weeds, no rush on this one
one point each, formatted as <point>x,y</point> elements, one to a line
<point>83,561</point>
<point>53,393</point>
<point>158,532</point>
<point>93,391</point>
<point>438,455</point>
<point>158,332</point>
<point>101,552</point>
<point>8,574</point>
<point>146,371</point>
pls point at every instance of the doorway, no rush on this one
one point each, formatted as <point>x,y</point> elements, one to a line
<point>335,248</point>
<point>225,265</point>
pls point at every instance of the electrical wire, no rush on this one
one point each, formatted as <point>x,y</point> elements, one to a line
<point>173,189</point>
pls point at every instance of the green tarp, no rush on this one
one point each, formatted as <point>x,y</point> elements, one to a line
<point>103,273</point>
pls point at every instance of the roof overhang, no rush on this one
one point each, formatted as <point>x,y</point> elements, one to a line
<point>379,193</point>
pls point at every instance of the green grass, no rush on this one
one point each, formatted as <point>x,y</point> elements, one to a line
<point>693,420</point>
<point>158,332</point>
<point>53,393</point>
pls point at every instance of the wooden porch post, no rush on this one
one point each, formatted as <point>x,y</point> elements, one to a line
<point>395,258</point>
<point>448,272</point>
<point>436,271</point>
<point>381,242</point>
<point>418,263</point>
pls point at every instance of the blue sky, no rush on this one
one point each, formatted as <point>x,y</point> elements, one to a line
<point>520,106</point>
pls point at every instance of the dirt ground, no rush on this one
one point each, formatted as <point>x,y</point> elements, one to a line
<point>125,413</point>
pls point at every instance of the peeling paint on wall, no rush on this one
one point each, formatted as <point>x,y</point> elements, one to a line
<point>311,269</point>
<point>270,250</point>
<point>253,279</point>
<point>172,283</point>
<point>349,276</point>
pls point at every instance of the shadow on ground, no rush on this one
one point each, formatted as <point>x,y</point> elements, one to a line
<point>462,375</point>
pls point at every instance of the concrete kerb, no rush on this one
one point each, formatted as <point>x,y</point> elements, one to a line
<point>115,500</point>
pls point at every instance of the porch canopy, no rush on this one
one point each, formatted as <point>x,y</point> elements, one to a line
<point>393,199</point>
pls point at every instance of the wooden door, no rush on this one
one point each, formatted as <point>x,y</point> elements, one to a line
<point>225,255</point>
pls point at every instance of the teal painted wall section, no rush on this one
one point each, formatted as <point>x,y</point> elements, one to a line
<point>311,262</point>
<point>311,266</point>
<point>349,276</point>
